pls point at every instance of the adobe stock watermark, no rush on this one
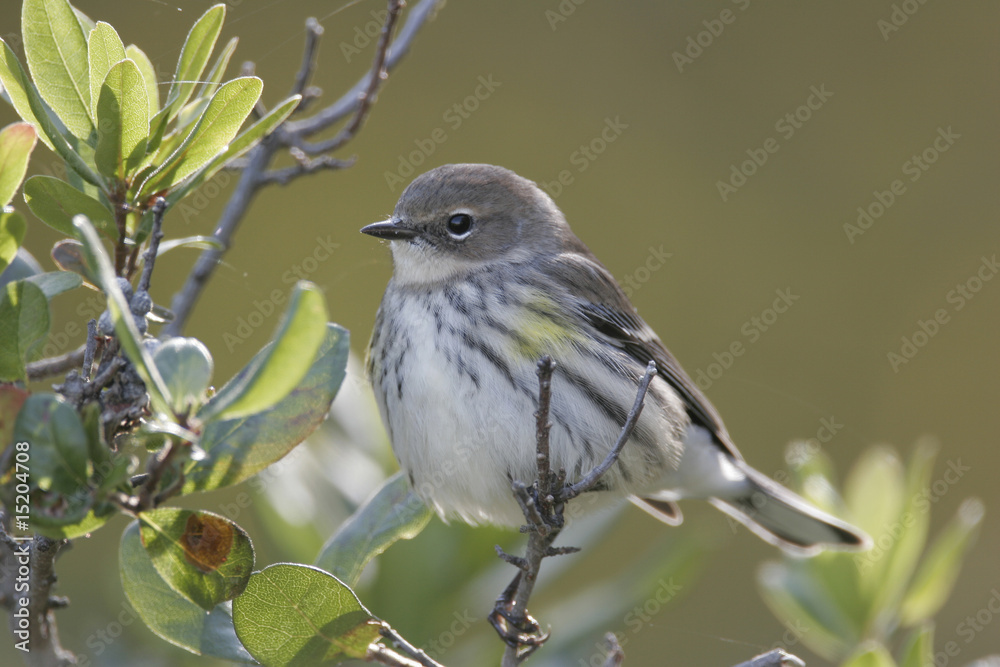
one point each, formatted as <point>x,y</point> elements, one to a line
<point>922,502</point>
<point>562,12</point>
<point>364,35</point>
<point>914,169</point>
<point>438,646</point>
<point>655,260</point>
<point>454,117</point>
<point>585,155</point>
<point>898,17</point>
<point>696,44</point>
<point>786,126</point>
<point>957,297</point>
<point>751,330</point>
<point>636,620</point>
<point>263,309</point>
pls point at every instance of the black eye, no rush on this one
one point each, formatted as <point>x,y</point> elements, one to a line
<point>460,225</point>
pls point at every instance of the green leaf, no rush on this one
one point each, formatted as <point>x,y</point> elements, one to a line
<point>145,65</point>
<point>12,228</point>
<point>24,325</point>
<point>128,335</point>
<point>68,255</point>
<point>919,648</point>
<point>170,615</point>
<point>11,400</point>
<point>795,597</point>
<point>55,202</point>
<point>123,121</point>
<point>870,654</point>
<point>247,140</point>
<point>104,49</point>
<point>222,119</point>
<point>29,105</point>
<point>936,576</point>
<point>874,493</point>
<point>16,143</point>
<point>285,362</point>
<point>214,76</point>
<point>194,56</point>
<point>200,241</point>
<point>56,50</point>
<point>392,513</point>
<point>299,615</point>
<point>58,443</point>
<point>203,556</point>
<point>240,448</point>
<point>186,367</point>
<point>54,283</point>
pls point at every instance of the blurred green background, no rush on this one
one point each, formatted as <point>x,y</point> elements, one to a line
<point>645,127</point>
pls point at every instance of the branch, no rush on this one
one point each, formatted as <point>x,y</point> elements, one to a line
<point>256,173</point>
<point>42,636</point>
<point>43,368</point>
<point>543,505</point>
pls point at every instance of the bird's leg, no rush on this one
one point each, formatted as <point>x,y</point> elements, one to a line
<point>518,629</point>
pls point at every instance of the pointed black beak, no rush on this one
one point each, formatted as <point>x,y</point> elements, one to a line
<point>390,230</point>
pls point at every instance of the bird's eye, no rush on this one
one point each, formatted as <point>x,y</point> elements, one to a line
<point>460,226</point>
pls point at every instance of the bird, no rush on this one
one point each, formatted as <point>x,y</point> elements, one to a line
<point>487,278</point>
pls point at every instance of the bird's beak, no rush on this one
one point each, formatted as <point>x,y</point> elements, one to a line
<point>390,230</point>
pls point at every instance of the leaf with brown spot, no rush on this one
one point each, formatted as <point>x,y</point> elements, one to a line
<point>203,556</point>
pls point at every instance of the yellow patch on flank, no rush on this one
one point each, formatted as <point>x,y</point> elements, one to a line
<point>542,329</point>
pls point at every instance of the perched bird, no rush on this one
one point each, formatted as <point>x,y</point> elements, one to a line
<point>487,278</point>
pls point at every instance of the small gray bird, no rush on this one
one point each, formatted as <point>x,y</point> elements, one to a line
<point>487,278</point>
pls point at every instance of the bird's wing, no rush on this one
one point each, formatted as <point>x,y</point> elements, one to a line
<point>604,305</point>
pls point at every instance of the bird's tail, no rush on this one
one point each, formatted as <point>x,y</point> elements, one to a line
<point>786,519</point>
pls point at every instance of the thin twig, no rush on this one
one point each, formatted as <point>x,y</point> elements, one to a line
<point>313,32</point>
<point>587,483</point>
<point>543,511</point>
<point>90,350</point>
<point>367,97</point>
<point>43,368</point>
<point>416,656</point>
<point>256,175</point>
<point>155,236</point>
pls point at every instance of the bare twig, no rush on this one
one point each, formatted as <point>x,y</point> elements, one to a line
<point>43,368</point>
<point>292,134</point>
<point>33,562</point>
<point>155,236</point>
<point>571,491</point>
<point>543,505</point>
<point>416,656</point>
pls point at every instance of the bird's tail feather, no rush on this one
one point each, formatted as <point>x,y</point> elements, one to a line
<point>787,520</point>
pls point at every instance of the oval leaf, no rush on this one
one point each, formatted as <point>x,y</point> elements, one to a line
<point>145,65</point>
<point>56,50</point>
<point>203,556</point>
<point>299,615</point>
<point>390,514</point>
<point>16,143</point>
<point>186,367</point>
<point>104,49</point>
<point>222,119</point>
<point>194,56</point>
<point>58,443</point>
<point>919,648</point>
<point>29,105</point>
<point>247,140</point>
<point>24,324</point>
<point>170,615</point>
<point>122,121</point>
<point>285,362</point>
<point>12,228</point>
<point>240,448</point>
<point>68,255</point>
<point>55,202</point>
<point>871,654</point>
